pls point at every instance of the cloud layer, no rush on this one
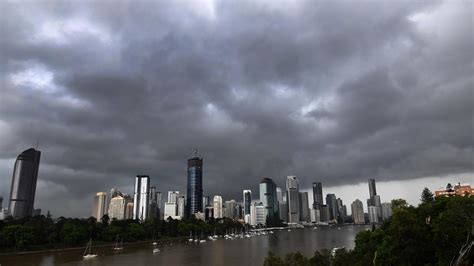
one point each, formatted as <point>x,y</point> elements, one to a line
<point>331,91</point>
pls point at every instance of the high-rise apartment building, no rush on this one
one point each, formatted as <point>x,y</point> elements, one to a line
<point>23,187</point>
<point>230,211</point>
<point>173,196</point>
<point>317,195</point>
<point>217,206</point>
<point>194,187</point>
<point>257,214</point>
<point>373,215</point>
<point>181,207</point>
<point>280,197</point>
<point>358,212</point>
<point>206,201</point>
<point>292,199</point>
<point>117,208</point>
<point>171,210</point>
<point>141,200</point>
<point>129,210</point>
<point>386,210</point>
<point>304,207</point>
<point>268,198</point>
<point>99,207</point>
<point>247,201</point>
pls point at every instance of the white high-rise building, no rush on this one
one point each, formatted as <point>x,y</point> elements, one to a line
<point>386,210</point>
<point>141,200</point>
<point>292,199</point>
<point>99,207</point>
<point>373,215</point>
<point>171,210</point>
<point>181,202</point>
<point>173,196</point>
<point>257,214</point>
<point>217,204</point>
<point>315,215</point>
<point>358,212</point>
<point>117,208</point>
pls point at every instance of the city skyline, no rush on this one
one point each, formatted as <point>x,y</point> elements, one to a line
<point>262,89</point>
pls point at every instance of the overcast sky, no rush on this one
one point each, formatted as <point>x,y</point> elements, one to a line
<point>330,91</point>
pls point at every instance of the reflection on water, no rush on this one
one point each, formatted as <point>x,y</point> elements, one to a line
<point>247,251</point>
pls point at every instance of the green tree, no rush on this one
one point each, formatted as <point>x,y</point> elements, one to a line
<point>272,260</point>
<point>321,258</point>
<point>427,196</point>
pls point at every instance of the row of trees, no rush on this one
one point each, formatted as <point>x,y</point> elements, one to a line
<point>434,233</point>
<point>42,232</point>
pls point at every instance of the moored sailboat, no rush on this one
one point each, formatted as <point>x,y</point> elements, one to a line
<point>88,252</point>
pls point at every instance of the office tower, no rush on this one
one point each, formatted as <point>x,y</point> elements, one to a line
<point>332,205</point>
<point>23,188</point>
<point>304,207</point>
<point>386,210</point>
<point>283,211</point>
<point>117,208</point>
<point>325,216</point>
<point>99,208</point>
<point>373,216</point>
<point>372,188</point>
<point>173,196</point>
<point>129,210</point>
<point>194,187</point>
<point>257,214</point>
<point>239,211</point>
<point>247,201</point>
<point>153,212</point>
<point>269,198</point>
<point>141,197</point>
<point>159,202</point>
<point>230,209</point>
<point>292,199</point>
<point>1,203</point>
<point>341,209</point>
<point>217,206</point>
<point>358,212</point>
<point>280,197</point>
<point>317,195</point>
<point>181,209</point>
<point>171,210</point>
<point>206,201</point>
<point>209,212</point>
<point>315,215</point>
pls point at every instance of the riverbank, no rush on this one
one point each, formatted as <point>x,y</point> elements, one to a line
<point>101,245</point>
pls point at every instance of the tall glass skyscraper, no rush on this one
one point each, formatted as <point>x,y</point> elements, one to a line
<point>23,188</point>
<point>317,195</point>
<point>194,188</point>
<point>372,188</point>
<point>247,201</point>
<point>141,200</point>
<point>292,199</point>
<point>269,198</point>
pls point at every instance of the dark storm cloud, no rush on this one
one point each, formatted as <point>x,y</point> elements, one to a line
<point>329,91</point>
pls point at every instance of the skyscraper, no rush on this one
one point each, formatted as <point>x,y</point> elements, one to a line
<point>173,196</point>
<point>358,212</point>
<point>181,203</point>
<point>373,216</point>
<point>23,188</point>
<point>230,209</point>
<point>194,187</point>
<point>117,208</point>
<point>269,198</point>
<point>1,203</point>
<point>141,200</point>
<point>331,201</point>
<point>372,188</point>
<point>279,194</point>
<point>304,207</point>
<point>247,201</point>
<point>206,201</point>
<point>317,195</point>
<point>217,204</point>
<point>154,210</point>
<point>386,210</point>
<point>292,199</point>
<point>99,207</point>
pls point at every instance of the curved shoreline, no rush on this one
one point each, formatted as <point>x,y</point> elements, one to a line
<point>173,240</point>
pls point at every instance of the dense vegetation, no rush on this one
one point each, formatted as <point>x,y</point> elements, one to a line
<point>434,233</point>
<point>42,232</point>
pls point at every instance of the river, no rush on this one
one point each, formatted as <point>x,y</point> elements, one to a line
<point>246,251</point>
